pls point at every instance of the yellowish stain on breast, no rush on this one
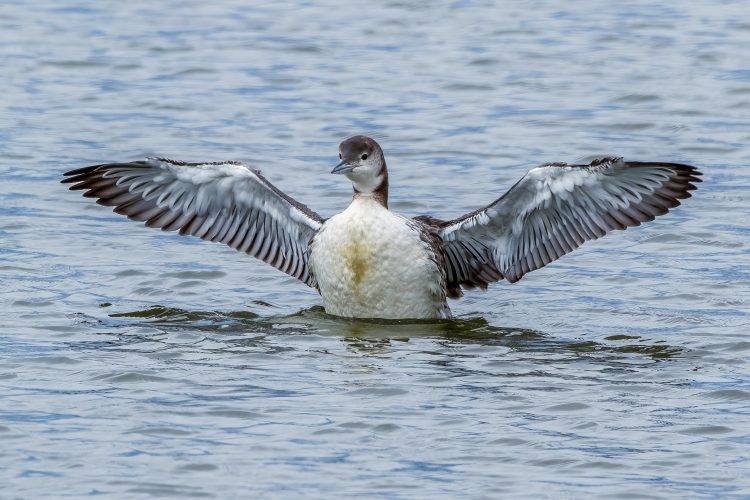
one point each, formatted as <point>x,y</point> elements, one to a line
<point>357,256</point>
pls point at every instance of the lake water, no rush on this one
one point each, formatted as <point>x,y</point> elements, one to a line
<point>139,364</point>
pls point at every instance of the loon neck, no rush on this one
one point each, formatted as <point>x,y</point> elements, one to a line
<point>379,193</point>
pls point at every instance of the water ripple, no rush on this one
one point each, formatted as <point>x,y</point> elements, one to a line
<point>137,363</point>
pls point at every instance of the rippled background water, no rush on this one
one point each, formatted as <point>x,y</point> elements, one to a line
<point>135,363</point>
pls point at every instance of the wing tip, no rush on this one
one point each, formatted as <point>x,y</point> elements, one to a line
<point>78,174</point>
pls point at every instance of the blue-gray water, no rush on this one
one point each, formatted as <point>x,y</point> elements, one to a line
<point>137,364</point>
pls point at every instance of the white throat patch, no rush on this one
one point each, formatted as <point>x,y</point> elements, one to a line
<point>366,184</point>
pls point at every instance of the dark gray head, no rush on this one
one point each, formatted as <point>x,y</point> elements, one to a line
<point>362,161</point>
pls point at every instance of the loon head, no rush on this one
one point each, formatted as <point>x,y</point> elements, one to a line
<point>362,161</point>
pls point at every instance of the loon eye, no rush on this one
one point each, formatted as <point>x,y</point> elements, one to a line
<point>364,156</point>
<point>339,156</point>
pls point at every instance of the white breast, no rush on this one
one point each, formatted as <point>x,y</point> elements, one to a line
<point>372,263</point>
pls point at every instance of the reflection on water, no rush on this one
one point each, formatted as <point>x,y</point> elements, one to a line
<point>375,335</point>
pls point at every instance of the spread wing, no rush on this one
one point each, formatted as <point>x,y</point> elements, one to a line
<point>554,209</point>
<point>224,202</point>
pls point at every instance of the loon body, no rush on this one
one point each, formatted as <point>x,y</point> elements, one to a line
<point>370,262</point>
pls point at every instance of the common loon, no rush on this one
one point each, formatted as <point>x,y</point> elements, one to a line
<point>369,262</point>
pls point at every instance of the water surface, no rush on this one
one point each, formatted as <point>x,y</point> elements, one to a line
<point>137,364</point>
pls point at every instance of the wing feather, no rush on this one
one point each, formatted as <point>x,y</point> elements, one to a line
<point>553,210</point>
<point>224,202</point>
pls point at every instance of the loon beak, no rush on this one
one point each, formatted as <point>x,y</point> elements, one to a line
<point>342,168</point>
